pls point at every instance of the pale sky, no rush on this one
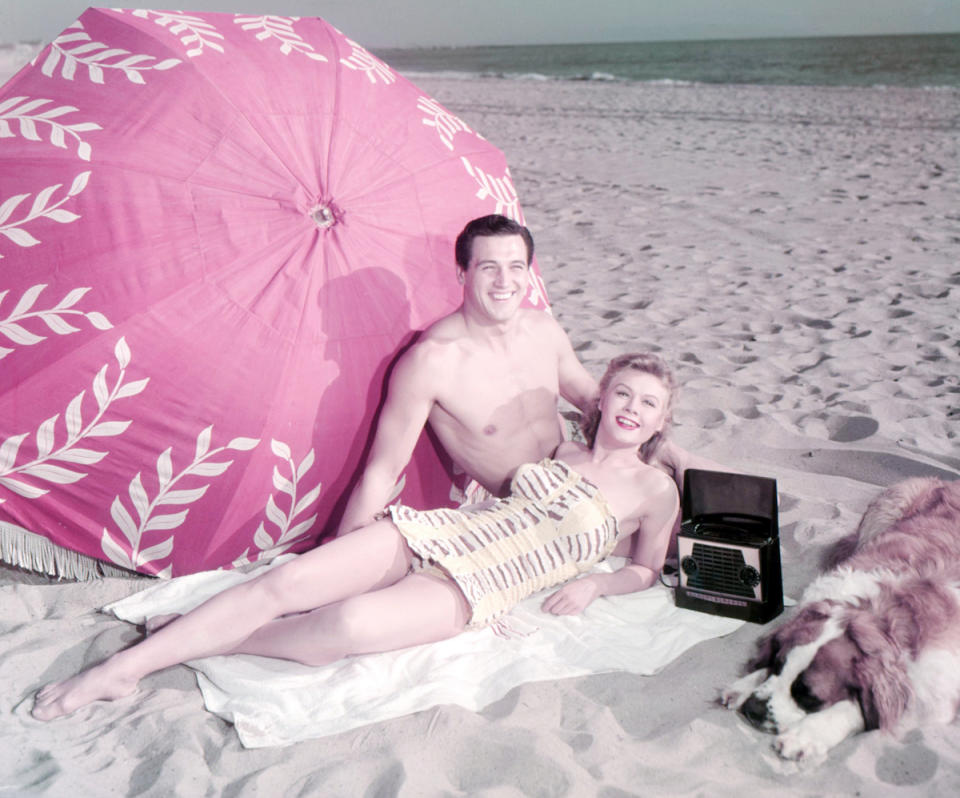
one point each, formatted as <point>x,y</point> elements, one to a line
<point>404,23</point>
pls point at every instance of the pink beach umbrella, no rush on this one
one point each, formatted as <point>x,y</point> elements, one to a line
<point>216,234</point>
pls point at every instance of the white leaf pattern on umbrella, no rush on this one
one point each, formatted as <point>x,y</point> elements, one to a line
<point>272,27</point>
<point>157,552</point>
<point>100,392</point>
<point>500,189</point>
<point>52,473</point>
<point>288,533</point>
<point>38,210</point>
<point>76,432</point>
<point>150,521</point>
<point>364,61</point>
<point>108,429</point>
<point>93,54</point>
<point>203,442</point>
<point>165,468</point>
<point>193,32</point>
<point>45,437</point>
<point>138,496</point>
<point>11,328</point>
<point>8,451</point>
<point>19,110</point>
<point>446,124</point>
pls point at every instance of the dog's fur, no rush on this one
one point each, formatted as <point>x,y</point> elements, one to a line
<point>875,643</point>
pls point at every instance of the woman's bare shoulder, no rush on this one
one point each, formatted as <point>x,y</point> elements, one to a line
<point>655,488</point>
<point>572,451</point>
<point>658,479</point>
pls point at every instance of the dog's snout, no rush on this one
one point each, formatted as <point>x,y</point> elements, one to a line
<point>755,710</point>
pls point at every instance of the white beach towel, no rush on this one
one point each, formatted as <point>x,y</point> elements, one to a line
<point>274,702</point>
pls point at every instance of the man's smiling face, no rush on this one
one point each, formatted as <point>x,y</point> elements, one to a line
<point>497,278</point>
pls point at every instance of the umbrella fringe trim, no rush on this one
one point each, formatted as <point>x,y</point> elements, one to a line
<point>24,549</point>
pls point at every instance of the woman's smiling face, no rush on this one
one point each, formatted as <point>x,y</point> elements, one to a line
<point>634,407</point>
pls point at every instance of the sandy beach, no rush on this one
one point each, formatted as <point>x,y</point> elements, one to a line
<point>794,253</point>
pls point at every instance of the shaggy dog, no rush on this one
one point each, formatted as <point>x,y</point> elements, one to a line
<point>875,643</point>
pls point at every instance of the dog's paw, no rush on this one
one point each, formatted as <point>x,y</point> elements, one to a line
<point>799,745</point>
<point>733,695</point>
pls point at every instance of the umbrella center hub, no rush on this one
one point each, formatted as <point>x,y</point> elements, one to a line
<point>322,216</point>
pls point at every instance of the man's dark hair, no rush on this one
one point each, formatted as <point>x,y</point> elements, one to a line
<point>492,225</point>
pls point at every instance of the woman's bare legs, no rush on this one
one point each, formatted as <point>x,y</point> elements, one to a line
<point>417,609</point>
<point>368,559</point>
<point>157,622</point>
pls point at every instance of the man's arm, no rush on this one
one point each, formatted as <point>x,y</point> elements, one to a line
<point>403,417</point>
<point>577,386</point>
<point>675,460</point>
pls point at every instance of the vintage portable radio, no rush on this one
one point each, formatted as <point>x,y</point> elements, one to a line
<point>729,546</point>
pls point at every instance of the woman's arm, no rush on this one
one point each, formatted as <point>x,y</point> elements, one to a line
<point>649,548</point>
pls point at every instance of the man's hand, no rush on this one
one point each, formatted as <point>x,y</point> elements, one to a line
<point>573,598</point>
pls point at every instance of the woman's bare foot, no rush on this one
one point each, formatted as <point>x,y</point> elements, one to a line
<point>157,622</point>
<point>63,698</point>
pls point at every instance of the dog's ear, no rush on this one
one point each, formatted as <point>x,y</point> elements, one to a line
<point>794,632</point>
<point>839,552</point>
<point>767,648</point>
<point>879,674</point>
<point>802,628</point>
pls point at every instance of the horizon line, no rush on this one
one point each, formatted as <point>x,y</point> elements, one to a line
<point>659,41</point>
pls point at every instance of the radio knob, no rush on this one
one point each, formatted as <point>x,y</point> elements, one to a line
<point>689,566</point>
<point>750,576</point>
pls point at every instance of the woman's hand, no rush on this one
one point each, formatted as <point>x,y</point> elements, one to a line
<point>573,598</point>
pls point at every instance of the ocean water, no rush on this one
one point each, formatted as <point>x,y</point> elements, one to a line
<point>918,61</point>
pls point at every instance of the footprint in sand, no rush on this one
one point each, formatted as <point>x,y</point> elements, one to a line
<point>913,763</point>
<point>706,418</point>
<point>816,532</point>
<point>845,429</point>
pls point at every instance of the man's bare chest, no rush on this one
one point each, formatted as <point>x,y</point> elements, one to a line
<point>491,396</point>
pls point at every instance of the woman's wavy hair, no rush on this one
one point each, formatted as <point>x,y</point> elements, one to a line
<point>646,363</point>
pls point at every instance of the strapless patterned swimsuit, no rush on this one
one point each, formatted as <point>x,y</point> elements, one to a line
<point>554,525</point>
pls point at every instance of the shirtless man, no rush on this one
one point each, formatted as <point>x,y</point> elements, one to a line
<point>486,378</point>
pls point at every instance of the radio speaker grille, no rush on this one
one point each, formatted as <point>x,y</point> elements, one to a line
<point>729,546</point>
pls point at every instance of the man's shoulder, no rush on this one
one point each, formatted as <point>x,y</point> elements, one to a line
<point>537,318</point>
<point>436,343</point>
<point>672,459</point>
<point>540,326</point>
<point>445,330</point>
